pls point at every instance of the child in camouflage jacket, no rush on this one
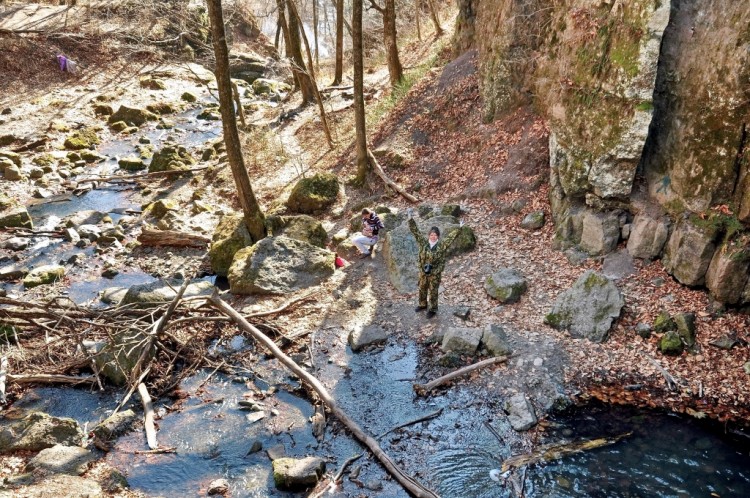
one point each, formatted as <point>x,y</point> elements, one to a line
<point>432,254</point>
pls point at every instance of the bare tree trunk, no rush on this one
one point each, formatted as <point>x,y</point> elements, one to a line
<point>395,71</point>
<point>339,72</point>
<point>277,38</point>
<point>318,98</point>
<point>285,29</point>
<point>435,18</point>
<point>254,219</point>
<point>315,33</point>
<point>359,98</point>
<point>298,63</point>
<point>417,12</point>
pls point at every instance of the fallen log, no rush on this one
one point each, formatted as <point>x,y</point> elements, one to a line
<point>148,417</point>
<point>51,379</point>
<point>550,452</point>
<point>423,389</point>
<point>409,484</point>
<point>379,170</point>
<point>172,238</point>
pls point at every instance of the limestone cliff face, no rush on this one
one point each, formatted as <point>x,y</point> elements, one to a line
<point>647,103</point>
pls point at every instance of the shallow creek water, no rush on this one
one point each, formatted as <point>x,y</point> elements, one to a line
<point>666,455</point>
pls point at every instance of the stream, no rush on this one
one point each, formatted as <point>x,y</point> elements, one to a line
<point>666,455</point>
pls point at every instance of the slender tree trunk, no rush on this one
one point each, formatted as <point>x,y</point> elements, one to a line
<point>254,219</point>
<point>298,63</point>
<point>395,71</point>
<point>285,30</point>
<point>315,33</point>
<point>318,98</point>
<point>339,72</point>
<point>417,12</point>
<point>359,98</point>
<point>277,38</point>
<point>435,18</point>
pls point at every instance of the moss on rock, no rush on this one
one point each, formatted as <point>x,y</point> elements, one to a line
<point>313,195</point>
<point>230,236</point>
<point>82,139</point>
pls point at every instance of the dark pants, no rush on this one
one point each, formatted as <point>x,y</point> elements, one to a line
<point>428,285</point>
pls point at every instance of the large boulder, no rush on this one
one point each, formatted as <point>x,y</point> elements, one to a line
<point>38,431</point>
<point>278,265</point>
<point>171,158</point>
<point>302,227</point>
<point>587,309</point>
<point>401,252</point>
<point>230,236</point>
<point>315,194</point>
<point>647,236</point>
<point>601,232</point>
<point>506,285</point>
<point>294,474</point>
<point>132,116</point>
<point>728,272</point>
<point>689,252</point>
<point>43,275</point>
<point>164,291</point>
<point>19,218</point>
<point>264,86</point>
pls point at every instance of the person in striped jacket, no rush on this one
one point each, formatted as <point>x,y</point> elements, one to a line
<point>368,237</point>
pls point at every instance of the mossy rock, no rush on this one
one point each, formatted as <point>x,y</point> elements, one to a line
<point>103,110</point>
<point>171,158</point>
<point>132,163</point>
<point>189,97</point>
<point>315,194</point>
<point>506,285</point>
<point>664,323</point>
<point>43,275</point>
<point>82,139</point>
<point>264,86</point>
<point>5,202</point>
<point>671,343</point>
<point>209,115</point>
<point>685,323</point>
<point>119,126</point>
<point>19,218</point>
<point>151,83</point>
<point>230,236</point>
<point>161,108</point>
<point>160,208</point>
<point>133,116</point>
<point>13,156</point>
<point>91,156</point>
<point>302,227</point>
<point>44,160</point>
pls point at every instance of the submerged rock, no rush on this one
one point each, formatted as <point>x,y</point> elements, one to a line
<point>163,291</point>
<point>115,425</point>
<point>588,309</point>
<point>293,474</point>
<point>278,265</point>
<point>43,275</point>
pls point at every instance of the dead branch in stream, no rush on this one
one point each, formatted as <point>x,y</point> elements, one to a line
<point>410,484</point>
<point>550,452</point>
<point>171,238</point>
<point>423,389</point>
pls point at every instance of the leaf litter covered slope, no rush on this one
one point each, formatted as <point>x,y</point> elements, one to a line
<point>502,167</point>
